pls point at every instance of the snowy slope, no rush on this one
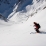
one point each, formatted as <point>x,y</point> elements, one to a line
<point>13,34</point>
<point>19,34</point>
<point>8,6</point>
<point>30,10</point>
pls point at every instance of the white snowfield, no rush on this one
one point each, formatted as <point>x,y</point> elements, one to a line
<point>16,32</point>
<point>19,34</point>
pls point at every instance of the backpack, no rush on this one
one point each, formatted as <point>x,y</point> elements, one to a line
<point>38,26</point>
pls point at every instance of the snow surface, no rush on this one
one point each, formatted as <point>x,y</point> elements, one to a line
<point>19,34</point>
<point>16,32</point>
<point>30,10</point>
<point>8,6</point>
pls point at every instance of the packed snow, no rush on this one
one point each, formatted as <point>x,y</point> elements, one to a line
<point>19,34</point>
<point>16,31</point>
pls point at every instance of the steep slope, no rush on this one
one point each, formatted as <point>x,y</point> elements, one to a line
<point>31,7</point>
<point>19,34</point>
<point>13,34</point>
<point>30,10</point>
<point>7,6</point>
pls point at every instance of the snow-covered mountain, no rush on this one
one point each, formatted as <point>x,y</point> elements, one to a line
<point>13,34</point>
<point>7,6</point>
<point>20,10</point>
<point>29,10</point>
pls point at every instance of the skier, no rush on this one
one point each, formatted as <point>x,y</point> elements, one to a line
<point>37,26</point>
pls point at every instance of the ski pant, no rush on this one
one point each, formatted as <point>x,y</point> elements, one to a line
<point>37,30</point>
